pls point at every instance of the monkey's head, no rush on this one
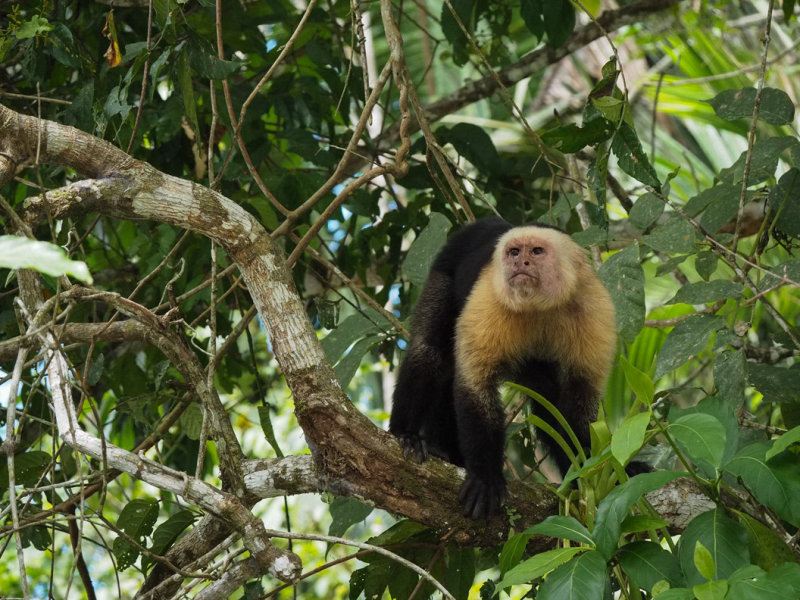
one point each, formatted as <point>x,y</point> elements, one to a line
<point>536,268</point>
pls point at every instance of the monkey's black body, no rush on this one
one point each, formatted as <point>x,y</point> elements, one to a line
<point>438,407</point>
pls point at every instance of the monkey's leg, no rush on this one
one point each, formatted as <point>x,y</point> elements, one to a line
<point>422,401</point>
<point>577,401</point>
<point>481,431</point>
<point>420,398</point>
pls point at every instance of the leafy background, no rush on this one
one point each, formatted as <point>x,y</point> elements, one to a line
<point>692,198</point>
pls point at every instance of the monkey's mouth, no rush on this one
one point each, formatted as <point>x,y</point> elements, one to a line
<point>525,279</point>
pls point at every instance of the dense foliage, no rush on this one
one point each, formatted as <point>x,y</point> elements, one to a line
<point>662,136</point>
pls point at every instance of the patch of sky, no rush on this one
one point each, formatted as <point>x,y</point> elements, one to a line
<point>268,31</point>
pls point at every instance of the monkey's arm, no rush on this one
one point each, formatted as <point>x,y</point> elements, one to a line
<point>423,395</point>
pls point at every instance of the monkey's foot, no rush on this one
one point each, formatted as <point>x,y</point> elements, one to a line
<point>413,445</point>
<point>480,498</point>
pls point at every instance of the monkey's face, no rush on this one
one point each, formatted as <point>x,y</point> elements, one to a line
<point>537,269</point>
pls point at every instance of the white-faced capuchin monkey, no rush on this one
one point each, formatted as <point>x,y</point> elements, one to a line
<point>501,303</point>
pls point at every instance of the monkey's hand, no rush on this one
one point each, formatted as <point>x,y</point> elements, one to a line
<point>481,498</point>
<point>413,445</point>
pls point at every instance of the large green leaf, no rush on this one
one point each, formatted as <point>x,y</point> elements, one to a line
<point>584,577</point>
<point>703,292</point>
<point>778,384</point>
<point>346,512</point>
<point>724,538</point>
<point>701,437</point>
<point>614,507</point>
<point>647,563</point>
<point>22,253</point>
<point>624,279</point>
<point>559,526</point>
<point>537,566</point>
<point>632,158</point>
<point>776,106</point>
<point>752,583</point>
<point>423,250</point>
<point>674,236</point>
<point>685,341</point>
<point>136,519</point>
<point>628,438</point>
<point>774,482</point>
<point>767,547</point>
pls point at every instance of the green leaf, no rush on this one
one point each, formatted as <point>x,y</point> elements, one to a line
<point>584,577</point>
<point>559,526</point>
<point>465,10</point>
<point>559,21</point>
<point>685,341</point>
<point>136,518</point>
<point>166,533</point>
<point>570,138</point>
<point>346,368</point>
<point>208,66</point>
<point>637,523</point>
<point>191,421</point>
<point>39,536</point>
<point>345,513</point>
<point>474,144</point>
<point>752,583</point>
<point>704,292</point>
<point>28,468</point>
<point>640,382</point>
<point>459,575</point>
<point>701,437</point>
<point>614,508</point>
<point>30,29</point>
<point>778,384</point>
<point>537,566</point>
<point>788,9</point>
<point>22,253</point>
<point>397,533</point>
<point>647,563</point>
<point>706,263</point>
<point>676,594</point>
<point>711,590</point>
<point>704,561</point>
<point>767,547</point>
<point>340,340</point>
<point>184,74</point>
<point>724,538</point>
<point>624,279</point>
<point>628,438</point>
<point>632,158</point>
<point>265,419</point>
<point>512,551</point>
<point>646,210</point>
<point>423,250</point>
<point>764,160</point>
<point>783,442</point>
<point>774,483</point>
<point>788,575</point>
<point>674,236</point>
<point>532,12</point>
<point>776,107</point>
<point>730,376</point>
<point>784,203</point>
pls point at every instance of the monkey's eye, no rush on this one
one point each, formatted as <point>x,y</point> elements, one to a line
<point>538,250</point>
<point>513,252</point>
